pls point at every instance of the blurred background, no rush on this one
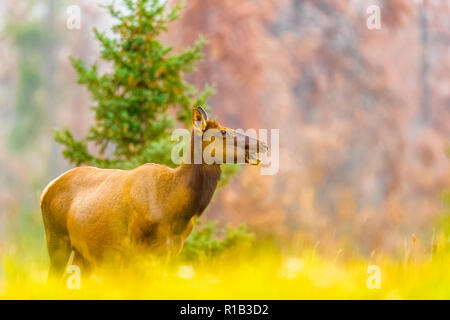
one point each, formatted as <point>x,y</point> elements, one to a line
<point>364,115</point>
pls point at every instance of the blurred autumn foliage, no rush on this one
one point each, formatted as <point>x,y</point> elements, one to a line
<point>364,115</point>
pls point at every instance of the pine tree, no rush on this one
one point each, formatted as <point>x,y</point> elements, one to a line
<point>142,97</point>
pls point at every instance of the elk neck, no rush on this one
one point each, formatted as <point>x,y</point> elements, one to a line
<point>201,180</point>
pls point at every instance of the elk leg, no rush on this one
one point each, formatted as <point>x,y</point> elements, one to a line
<point>59,251</point>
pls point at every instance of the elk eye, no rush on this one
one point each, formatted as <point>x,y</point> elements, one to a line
<point>224,132</point>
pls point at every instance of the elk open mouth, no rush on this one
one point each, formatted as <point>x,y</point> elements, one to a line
<point>253,159</point>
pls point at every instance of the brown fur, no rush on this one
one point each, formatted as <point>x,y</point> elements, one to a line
<point>108,215</point>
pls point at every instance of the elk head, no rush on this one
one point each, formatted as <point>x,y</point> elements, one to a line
<point>220,144</point>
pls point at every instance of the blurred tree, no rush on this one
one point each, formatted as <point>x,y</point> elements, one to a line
<point>210,241</point>
<point>346,105</point>
<point>35,44</point>
<point>137,101</point>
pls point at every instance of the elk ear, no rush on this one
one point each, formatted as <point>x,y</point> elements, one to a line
<point>205,115</point>
<point>199,118</point>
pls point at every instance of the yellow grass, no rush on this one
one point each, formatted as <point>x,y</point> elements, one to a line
<point>244,274</point>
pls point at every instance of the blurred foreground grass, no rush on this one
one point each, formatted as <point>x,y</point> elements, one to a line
<point>255,271</point>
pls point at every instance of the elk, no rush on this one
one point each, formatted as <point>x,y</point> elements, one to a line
<point>100,215</point>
